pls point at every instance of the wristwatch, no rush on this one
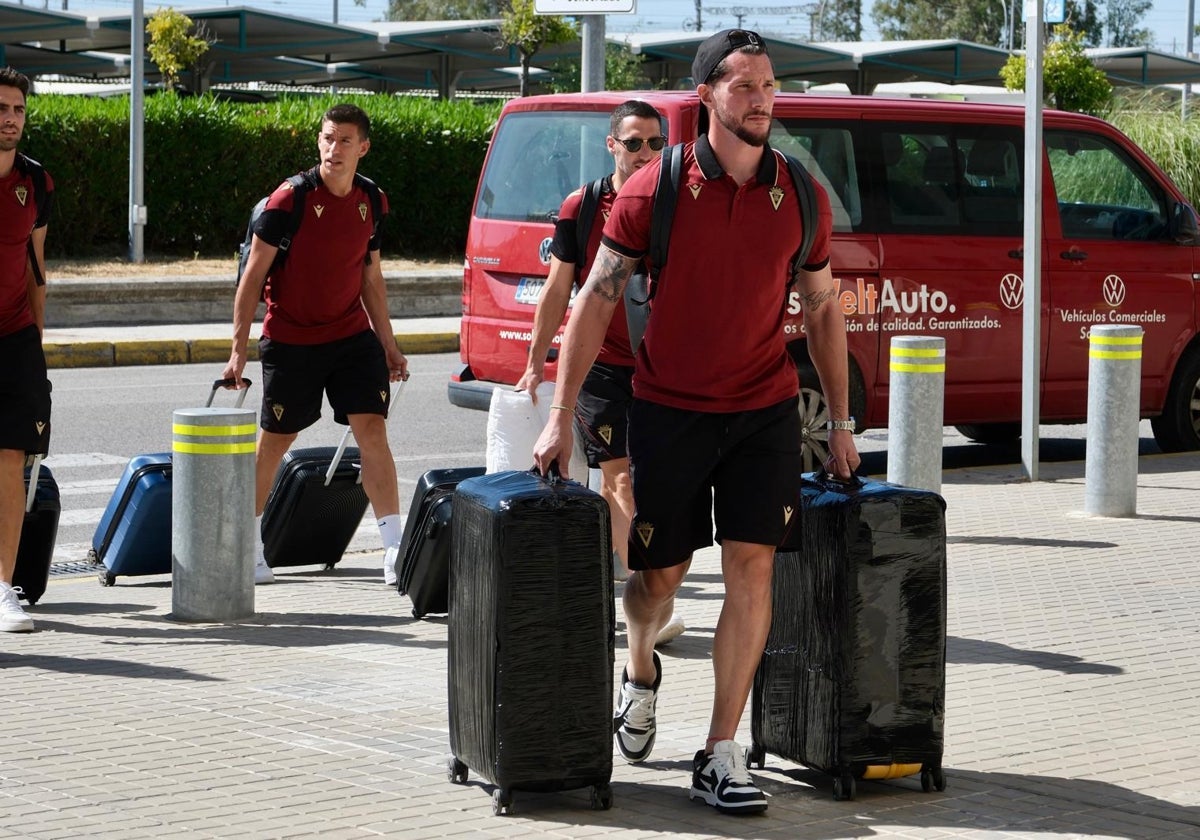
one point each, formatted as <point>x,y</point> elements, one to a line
<point>840,425</point>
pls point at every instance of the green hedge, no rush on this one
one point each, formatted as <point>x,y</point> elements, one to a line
<point>208,161</point>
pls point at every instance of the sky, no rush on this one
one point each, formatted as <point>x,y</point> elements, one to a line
<point>1167,19</point>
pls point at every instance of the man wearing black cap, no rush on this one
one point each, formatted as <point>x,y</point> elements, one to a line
<point>714,429</point>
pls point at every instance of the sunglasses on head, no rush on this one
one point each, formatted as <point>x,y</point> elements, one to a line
<point>634,144</point>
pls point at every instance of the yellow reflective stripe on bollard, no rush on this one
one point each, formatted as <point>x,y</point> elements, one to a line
<point>938,366</point>
<point>213,431</point>
<point>187,448</point>
<point>1098,342</point>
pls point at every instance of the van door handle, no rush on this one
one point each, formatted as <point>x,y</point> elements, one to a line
<point>1075,255</point>
<point>1017,253</point>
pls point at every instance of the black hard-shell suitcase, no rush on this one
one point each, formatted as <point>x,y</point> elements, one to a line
<point>853,678</point>
<point>39,530</point>
<point>424,567</point>
<point>531,637</point>
<point>314,507</point>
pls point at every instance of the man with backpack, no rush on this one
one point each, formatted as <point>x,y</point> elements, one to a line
<point>327,330</point>
<point>714,429</point>
<point>602,414</point>
<point>26,191</point>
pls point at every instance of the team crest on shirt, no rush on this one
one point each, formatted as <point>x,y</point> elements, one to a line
<point>362,210</point>
<point>788,510</point>
<point>22,193</point>
<point>318,209</point>
<point>605,432</point>
<point>776,194</point>
<point>277,410</point>
<point>645,532</point>
<point>695,188</point>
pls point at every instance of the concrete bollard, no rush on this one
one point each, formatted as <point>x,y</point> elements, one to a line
<point>212,514</point>
<point>1114,398</point>
<point>915,411</point>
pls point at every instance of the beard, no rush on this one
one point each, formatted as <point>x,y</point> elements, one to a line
<point>740,130</point>
<point>7,144</point>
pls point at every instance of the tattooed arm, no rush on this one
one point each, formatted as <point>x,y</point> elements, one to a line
<point>825,326</point>
<point>593,309</point>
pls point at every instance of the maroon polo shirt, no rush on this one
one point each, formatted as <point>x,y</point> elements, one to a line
<point>18,218</point>
<point>715,340</point>
<point>316,297</point>
<point>615,350</point>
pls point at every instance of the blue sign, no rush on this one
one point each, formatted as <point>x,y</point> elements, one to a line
<point>1056,11</point>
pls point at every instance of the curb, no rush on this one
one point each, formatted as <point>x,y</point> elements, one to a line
<point>89,354</point>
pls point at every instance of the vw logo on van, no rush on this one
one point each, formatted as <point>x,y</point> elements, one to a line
<point>1012,291</point>
<point>1114,290</point>
<point>544,251</point>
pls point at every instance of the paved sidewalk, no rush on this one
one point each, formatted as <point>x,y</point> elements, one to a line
<point>1073,672</point>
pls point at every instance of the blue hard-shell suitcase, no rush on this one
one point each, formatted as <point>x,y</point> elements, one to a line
<point>134,534</point>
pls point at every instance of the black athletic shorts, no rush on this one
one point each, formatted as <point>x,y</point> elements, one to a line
<point>24,393</point>
<point>687,467</point>
<point>602,412</point>
<point>352,371</point>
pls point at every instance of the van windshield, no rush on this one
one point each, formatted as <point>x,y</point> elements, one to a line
<point>538,159</point>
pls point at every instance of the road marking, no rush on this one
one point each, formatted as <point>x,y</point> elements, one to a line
<point>84,459</point>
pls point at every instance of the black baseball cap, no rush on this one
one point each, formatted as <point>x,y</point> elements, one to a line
<point>712,51</point>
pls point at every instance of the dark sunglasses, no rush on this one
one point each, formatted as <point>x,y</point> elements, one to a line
<point>634,144</point>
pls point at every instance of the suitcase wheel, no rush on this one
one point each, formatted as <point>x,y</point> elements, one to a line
<point>502,802</point>
<point>106,577</point>
<point>456,771</point>
<point>329,566</point>
<point>601,797</point>
<point>756,757</point>
<point>844,787</point>
<point>932,778</point>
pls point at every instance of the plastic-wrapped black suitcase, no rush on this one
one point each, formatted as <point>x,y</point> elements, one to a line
<point>853,678</point>
<point>314,507</point>
<point>424,567</point>
<point>38,532</point>
<point>531,637</point>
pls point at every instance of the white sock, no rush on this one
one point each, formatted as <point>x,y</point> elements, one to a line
<point>258,540</point>
<point>389,530</point>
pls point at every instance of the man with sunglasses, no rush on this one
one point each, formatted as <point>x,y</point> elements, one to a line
<point>714,427</point>
<point>635,139</point>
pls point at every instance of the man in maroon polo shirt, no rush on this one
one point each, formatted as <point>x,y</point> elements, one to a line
<point>327,328</point>
<point>714,428</point>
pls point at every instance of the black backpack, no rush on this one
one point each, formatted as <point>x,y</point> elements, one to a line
<point>37,174</point>
<point>583,223</point>
<point>301,184</point>
<point>640,289</point>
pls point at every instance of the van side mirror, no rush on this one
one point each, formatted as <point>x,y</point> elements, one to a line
<point>1184,228</point>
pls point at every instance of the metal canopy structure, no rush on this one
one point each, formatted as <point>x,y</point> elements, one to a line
<point>42,42</point>
<point>948,61</point>
<point>1142,66</point>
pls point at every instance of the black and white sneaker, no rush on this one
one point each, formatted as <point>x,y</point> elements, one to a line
<point>634,723</point>
<point>722,780</point>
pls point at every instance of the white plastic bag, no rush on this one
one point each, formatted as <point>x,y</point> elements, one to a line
<point>514,426</point>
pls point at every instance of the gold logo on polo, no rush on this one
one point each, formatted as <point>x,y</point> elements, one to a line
<point>776,196</point>
<point>21,193</point>
<point>40,426</point>
<point>318,209</point>
<point>788,510</point>
<point>606,433</point>
<point>277,410</point>
<point>645,532</point>
<point>383,396</point>
<point>695,188</point>
<point>362,210</point>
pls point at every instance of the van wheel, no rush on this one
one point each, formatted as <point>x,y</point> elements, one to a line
<point>991,432</point>
<point>1177,429</point>
<point>814,414</point>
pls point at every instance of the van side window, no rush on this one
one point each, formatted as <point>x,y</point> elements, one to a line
<point>828,154</point>
<point>956,180</point>
<point>1102,193</point>
<point>539,159</point>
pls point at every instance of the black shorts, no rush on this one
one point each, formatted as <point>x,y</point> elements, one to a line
<point>602,412</point>
<point>24,393</point>
<point>688,466</point>
<point>352,371</point>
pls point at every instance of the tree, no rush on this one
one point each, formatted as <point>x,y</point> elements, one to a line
<point>1122,23</point>
<point>441,9</point>
<point>522,28</point>
<point>980,21</point>
<point>1084,18</point>
<point>1069,79</point>
<point>622,71</point>
<point>838,20</point>
<point>172,48</point>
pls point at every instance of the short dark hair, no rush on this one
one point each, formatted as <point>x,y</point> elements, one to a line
<point>352,114</point>
<point>11,78</point>
<point>632,108</point>
<point>722,69</point>
<point>709,64</point>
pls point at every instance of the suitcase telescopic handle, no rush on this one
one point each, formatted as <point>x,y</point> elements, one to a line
<point>229,383</point>
<point>831,482</point>
<point>31,492</point>
<point>341,449</point>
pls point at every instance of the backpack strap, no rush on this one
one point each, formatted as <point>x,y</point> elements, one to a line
<point>806,197</point>
<point>301,184</point>
<point>642,286</point>
<point>373,195</point>
<point>583,224</point>
<point>37,175</point>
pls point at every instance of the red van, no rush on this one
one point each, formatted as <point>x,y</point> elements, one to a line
<point>928,224</point>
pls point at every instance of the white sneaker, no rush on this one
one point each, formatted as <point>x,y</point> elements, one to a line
<point>389,565</point>
<point>634,722</point>
<point>12,618</point>
<point>262,572</point>
<point>671,631</point>
<point>721,779</point>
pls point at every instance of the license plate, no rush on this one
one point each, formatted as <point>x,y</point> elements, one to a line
<point>528,290</point>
